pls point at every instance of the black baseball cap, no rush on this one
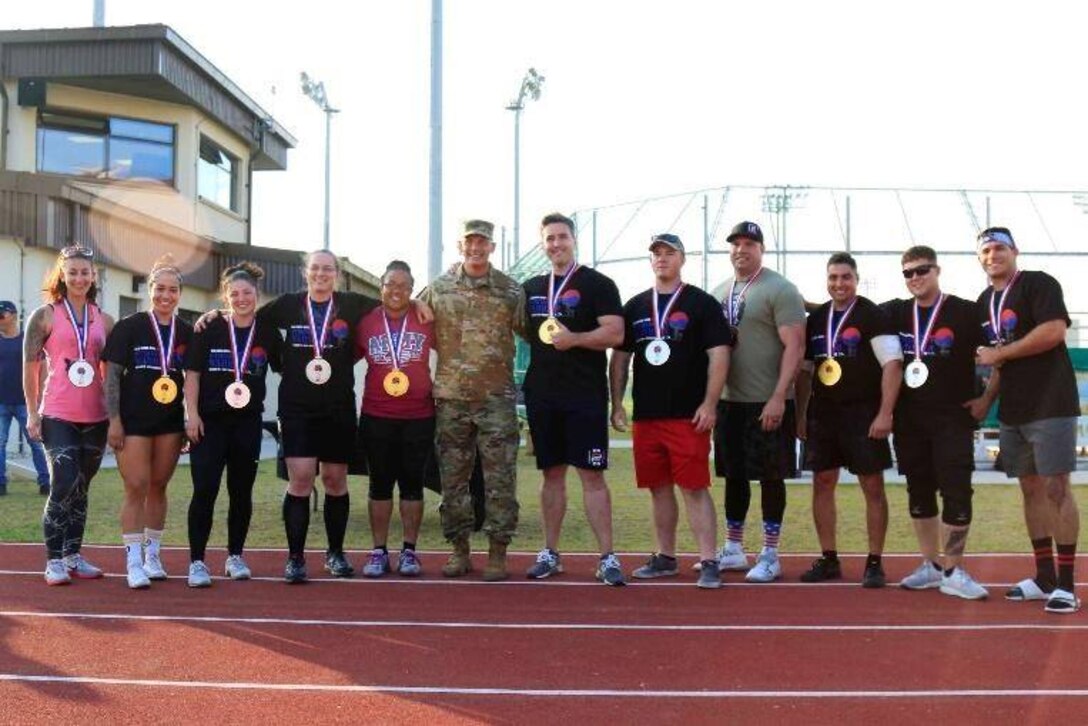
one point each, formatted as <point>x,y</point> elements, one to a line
<point>7,306</point>
<point>748,230</point>
<point>666,238</point>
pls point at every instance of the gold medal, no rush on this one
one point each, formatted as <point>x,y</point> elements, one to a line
<point>164,390</point>
<point>829,372</point>
<point>548,329</point>
<point>395,383</point>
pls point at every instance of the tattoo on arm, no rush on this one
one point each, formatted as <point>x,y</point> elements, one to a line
<point>113,389</point>
<point>957,540</point>
<point>37,330</point>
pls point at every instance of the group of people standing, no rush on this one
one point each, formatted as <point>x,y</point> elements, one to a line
<point>746,367</point>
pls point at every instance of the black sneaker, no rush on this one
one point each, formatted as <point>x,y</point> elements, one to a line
<point>823,569</point>
<point>295,571</point>
<point>873,577</point>
<point>337,565</point>
<point>657,566</point>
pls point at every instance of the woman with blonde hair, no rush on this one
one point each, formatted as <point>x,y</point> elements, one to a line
<point>147,424</point>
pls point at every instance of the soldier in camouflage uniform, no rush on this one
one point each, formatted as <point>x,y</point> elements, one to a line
<point>477,310</point>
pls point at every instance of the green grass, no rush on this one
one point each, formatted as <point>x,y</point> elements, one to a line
<point>998,519</point>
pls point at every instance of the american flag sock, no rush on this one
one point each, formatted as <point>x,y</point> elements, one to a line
<point>771,532</point>
<point>734,531</point>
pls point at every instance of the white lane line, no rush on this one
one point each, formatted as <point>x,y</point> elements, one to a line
<point>829,628</point>
<point>546,692</point>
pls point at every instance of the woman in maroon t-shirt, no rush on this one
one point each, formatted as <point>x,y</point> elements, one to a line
<point>397,418</point>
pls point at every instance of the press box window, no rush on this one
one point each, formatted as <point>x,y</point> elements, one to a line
<point>216,175</point>
<point>105,148</point>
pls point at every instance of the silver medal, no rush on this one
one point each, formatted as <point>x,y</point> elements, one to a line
<point>916,374</point>
<point>237,395</point>
<point>657,352</point>
<point>81,374</point>
<point>318,371</point>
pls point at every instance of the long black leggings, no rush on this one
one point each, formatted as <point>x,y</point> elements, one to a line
<point>738,497</point>
<point>232,442</point>
<point>74,453</point>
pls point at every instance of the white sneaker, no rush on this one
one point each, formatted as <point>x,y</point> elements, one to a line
<point>961,584</point>
<point>153,566</point>
<point>137,577</point>
<point>199,576</point>
<point>767,567</point>
<point>56,573</point>
<point>81,568</point>
<point>926,577</point>
<point>237,569</point>
<point>731,557</point>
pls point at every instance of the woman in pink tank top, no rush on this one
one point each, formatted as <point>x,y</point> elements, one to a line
<point>67,411</point>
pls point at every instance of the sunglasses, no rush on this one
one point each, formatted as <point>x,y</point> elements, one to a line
<point>919,270</point>
<point>78,252</point>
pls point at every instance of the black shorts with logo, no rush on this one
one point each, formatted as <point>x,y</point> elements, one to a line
<point>569,432</point>
<point>327,438</point>
<point>743,450</point>
<point>838,435</point>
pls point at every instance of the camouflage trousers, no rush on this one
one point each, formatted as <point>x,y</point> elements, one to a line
<point>491,426</point>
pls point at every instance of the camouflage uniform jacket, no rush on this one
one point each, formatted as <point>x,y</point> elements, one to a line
<point>475,319</point>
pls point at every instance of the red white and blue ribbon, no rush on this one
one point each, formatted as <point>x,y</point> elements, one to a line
<point>659,320</point>
<point>920,344</point>
<point>165,351</point>
<point>732,304</point>
<point>995,315</point>
<point>394,351</point>
<point>80,328</point>
<point>553,292</point>
<point>240,365</point>
<point>319,342</point>
<point>832,337</point>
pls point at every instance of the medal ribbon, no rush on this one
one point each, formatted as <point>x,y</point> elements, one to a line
<point>553,293</point>
<point>395,350</point>
<point>240,366</point>
<point>920,345</point>
<point>995,315</point>
<point>319,343</point>
<point>831,338</point>
<point>81,335</point>
<point>659,320</point>
<point>733,309</point>
<point>163,357</point>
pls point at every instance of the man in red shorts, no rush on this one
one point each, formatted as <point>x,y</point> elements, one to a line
<point>680,342</point>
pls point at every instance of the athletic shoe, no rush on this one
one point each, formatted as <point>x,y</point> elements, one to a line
<point>80,568</point>
<point>961,584</point>
<point>137,577</point>
<point>823,569</point>
<point>1027,590</point>
<point>732,558</point>
<point>657,566</point>
<point>609,571</point>
<point>153,566</point>
<point>408,564</point>
<point>874,576</point>
<point>709,575</point>
<point>377,565</point>
<point>295,571</point>
<point>767,567</point>
<point>547,564</point>
<point>337,565</point>
<point>1062,602</point>
<point>926,577</point>
<point>199,576</point>
<point>56,573</point>
<point>236,568</point>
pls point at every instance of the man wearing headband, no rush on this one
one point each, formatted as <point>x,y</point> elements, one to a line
<point>1024,318</point>
<point>934,431</point>
<point>853,349</point>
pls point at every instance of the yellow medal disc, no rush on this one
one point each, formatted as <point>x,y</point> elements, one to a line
<point>164,390</point>
<point>829,372</point>
<point>395,383</point>
<point>548,329</point>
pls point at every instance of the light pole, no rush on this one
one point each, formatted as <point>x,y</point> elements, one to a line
<point>316,92</point>
<point>530,87</point>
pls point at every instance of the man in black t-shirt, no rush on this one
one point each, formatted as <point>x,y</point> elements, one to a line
<point>680,342</point>
<point>858,362</point>
<point>934,431</point>
<point>1024,318</point>
<point>573,315</point>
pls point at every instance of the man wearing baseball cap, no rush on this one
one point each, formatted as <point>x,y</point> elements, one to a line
<point>12,403</point>
<point>1024,318</point>
<point>755,437</point>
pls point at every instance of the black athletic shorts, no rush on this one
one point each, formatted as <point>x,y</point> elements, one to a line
<point>838,435</point>
<point>570,432</point>
<point>938,446</point>
<point>398,451</point>
<point>327,438</point>
<point>743,450</point>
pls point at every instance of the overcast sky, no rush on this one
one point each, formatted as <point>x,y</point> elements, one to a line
<point>642,98</point>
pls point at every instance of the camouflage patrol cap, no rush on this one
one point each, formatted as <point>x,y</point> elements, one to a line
<point>479,227</point>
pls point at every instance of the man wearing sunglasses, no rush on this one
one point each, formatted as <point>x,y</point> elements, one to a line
<point>933,427</point>
<point>1024,317</point>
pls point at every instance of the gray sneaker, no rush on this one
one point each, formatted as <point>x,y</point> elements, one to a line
<point>56,573</point>
<point>377,565</point>
<point>408,564</point>
<point>709,575</point>
<point>80,568</point>
<point>926,577</point>
<point>547,564</point>
<point>609,571</point>
<point>199,576</point>
<point>660,566</point>
<point>236,568</point>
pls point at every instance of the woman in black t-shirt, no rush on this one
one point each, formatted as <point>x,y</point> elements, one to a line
<point>224,398</point>
<point>143,384</point>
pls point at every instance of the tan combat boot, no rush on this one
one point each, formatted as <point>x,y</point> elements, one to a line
<point>459,562</point>
<point>496,563</point>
